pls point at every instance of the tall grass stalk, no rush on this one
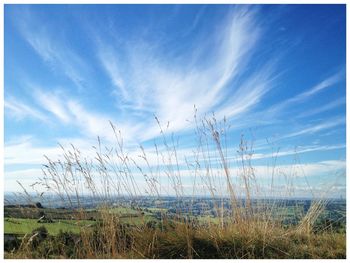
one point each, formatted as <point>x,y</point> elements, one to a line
<point>250,227</point>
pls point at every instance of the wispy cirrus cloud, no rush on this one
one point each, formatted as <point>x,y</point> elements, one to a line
<point>93,124</point>
<point>89,123</point>
<point>52,104</point>
<point>317,128</point>
<point>53,50</point>
<point>329,106</point>
<point>228,62</point>
<point>110,62</point>
<point>27,153</point>
<point>328,82</point>
<point>298,150</point>
<point>299,98</point>
<point>20,110</point>
<point>148,82</point>
<point>234,158</point>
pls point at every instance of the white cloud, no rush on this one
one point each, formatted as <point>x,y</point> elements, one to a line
<point>52,104</point>
<point>298,151</point>
<point>25,150</point>
<point>26,177</point>
<point>150,81</point>
<point>170,91</point>
<point>248,95</point>
<point>90,124</point>
<point>70,112</point>
<point>26,153</point>
<point>316,128</point>
<point>20,110</point>
<point>26,174</point>
<point>323,168</point>
<point>326,107</point>
<point>50,47</point>
<point>113,68</point>
<point>327,83</point>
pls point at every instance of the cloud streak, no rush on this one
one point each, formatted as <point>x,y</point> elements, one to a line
<point>326,83</point>
<point>333,104</point>
<point>316,128</point>
<point>150,84</point>
<point>20,110</point>
<point>53,51</point>
<point>90,124</point>
<point>52,104</point>
<point>227,61</point>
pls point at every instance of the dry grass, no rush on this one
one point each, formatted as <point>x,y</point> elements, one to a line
<point>251,230</point>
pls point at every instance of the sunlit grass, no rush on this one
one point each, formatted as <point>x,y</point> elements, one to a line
<point>248,228</point>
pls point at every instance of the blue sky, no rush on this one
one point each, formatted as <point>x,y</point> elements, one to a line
<point>276,72</point>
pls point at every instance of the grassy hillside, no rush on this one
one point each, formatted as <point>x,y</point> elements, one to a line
<point>113,239</point>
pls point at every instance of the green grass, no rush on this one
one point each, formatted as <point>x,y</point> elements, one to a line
<point>155,209</point>
<point>24,226</point>
<point>124,210</point>
<point>245,240</point>
<point>34,213</point>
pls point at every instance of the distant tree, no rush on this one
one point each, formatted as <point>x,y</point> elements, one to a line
<point>38,205</point>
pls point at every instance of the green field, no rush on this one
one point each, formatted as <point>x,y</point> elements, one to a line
<point>124,211</point>
<point>23,226</point>
<point>27,225</point>
<point>156,209</point>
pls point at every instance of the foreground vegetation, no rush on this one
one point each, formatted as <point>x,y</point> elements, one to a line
<point>239,228</point>
<point>111,239</point>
